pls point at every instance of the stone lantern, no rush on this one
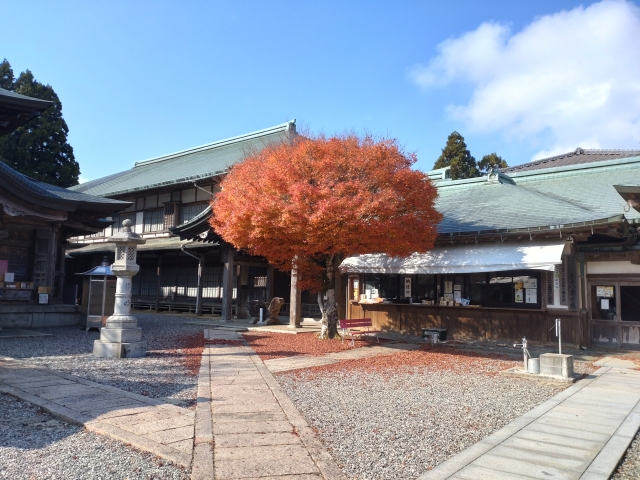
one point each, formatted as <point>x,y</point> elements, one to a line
<point>122,338</point>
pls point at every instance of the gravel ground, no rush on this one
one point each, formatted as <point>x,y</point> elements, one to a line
<point>169,371</point>
<point>399,416</point>
<point>629,468</point>
<point>36,445</point>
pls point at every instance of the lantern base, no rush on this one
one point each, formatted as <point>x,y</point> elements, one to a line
<point>119,350</point>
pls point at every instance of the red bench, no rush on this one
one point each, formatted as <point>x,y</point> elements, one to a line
<point>348,325</point>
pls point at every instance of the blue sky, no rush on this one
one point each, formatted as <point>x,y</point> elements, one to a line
<point>524,79</point>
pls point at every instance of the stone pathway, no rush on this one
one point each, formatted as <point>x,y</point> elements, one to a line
<point>257,431</point>
<point>157,427</point>
<point>305,361</point>
<point>614,362</point>
<point>581,433</point>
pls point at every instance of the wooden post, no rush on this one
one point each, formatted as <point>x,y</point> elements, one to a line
<point>199,293</point>
<point>269,292</point>
<point>295,303</point>
<point>158,286</point>
<point>227,285</point>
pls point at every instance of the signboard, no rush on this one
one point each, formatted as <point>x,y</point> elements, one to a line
<point>530,282</point>
<point>448,287</point>
<point>604,291</point>
<point>407,287</point>
<point>43,298</point>
<point>532,295</point>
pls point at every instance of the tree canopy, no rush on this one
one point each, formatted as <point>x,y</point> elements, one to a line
<point>456,155</point>
<point>491,161</point>
<point>315,197</point>
<point>39,148</point>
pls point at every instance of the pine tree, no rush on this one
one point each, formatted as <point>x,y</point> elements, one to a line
<point>456,155</point>
<point>490,161</point>
<point>39,148</point>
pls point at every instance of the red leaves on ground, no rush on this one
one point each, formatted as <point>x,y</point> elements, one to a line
<point>280,345</point>
<point>186,348</point>
<point>427,358</point>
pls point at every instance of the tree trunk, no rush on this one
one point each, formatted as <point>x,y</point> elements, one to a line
<point>328,305</point>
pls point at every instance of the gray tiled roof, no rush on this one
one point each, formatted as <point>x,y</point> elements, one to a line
<point>47,195</point>
<point>538,198</point>
<point>187,166</point>
<point>578,156</point>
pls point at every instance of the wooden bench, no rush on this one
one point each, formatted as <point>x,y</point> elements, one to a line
<point>348,325</point>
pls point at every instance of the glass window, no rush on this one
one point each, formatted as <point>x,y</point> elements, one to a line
<point>425,287</point>
<point>188,212</point>
<point>500,289</point>
<point>603,302</point>
<point>630,303</point>
<point>477,288</point>
<point>117,225</point>
<point>153,220</point>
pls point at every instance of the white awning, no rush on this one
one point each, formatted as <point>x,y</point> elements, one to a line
<point>462,259</point>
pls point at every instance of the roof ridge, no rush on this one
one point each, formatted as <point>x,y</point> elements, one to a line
<point>290,125</point>
<point>577,151</point>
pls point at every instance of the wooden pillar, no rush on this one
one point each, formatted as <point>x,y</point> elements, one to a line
<point>158,285</point>
<point>199,293</point>
<point>175,281</point>
<point>295,303</point>
<point>227,285</point>
<point>269,283</point>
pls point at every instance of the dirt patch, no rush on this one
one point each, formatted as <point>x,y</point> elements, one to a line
<point>270,345</point>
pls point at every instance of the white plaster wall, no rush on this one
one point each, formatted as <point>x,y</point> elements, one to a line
<point>616,267</point>
<point>139,226</point>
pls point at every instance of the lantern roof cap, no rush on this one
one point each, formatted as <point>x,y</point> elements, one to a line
<point>126,235</point>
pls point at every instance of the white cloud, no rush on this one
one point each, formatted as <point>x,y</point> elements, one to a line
<point>573,77</point>
<point>82,179</point>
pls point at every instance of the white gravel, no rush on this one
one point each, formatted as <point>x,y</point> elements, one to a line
<point>629,468</point>
<point>161,374</point>
<point>36,445</point>
<point>403,424</point>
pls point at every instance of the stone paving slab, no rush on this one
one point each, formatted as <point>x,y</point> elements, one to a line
<point>277,365</point>
<point>581,433</point>
<point>615,363</point>
<point>256,430</point>
<point>162,429</point>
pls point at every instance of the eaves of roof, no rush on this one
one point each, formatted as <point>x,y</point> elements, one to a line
<point>187,166</point>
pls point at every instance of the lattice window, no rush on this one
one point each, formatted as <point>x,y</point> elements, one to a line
<point>117,225</point>
<point>153,220</point>
<point>120,252</point>
<point>131,253</point>
<point>188,212</point>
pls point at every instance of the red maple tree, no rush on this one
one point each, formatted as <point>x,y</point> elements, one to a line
<point>307,203</point>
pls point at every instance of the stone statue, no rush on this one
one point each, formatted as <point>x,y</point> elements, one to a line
<point>274,310</point>
<point>253,307</point>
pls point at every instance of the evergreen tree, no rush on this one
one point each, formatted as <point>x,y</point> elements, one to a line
<point>456,155</point>
<point>39,148</point>
<point>490,161</point>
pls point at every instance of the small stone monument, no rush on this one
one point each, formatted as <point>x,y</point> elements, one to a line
<point>274,310</point>
<point>122,338</point>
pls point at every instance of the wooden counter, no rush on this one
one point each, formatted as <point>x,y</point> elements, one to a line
<point>508,324</point>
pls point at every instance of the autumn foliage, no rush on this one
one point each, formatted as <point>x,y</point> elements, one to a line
<point>315,196</point>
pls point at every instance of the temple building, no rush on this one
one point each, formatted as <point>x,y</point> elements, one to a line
<point>183,265</point>
<point>36,219</point>
<point>554,238</point>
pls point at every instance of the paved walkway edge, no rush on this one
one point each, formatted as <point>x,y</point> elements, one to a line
<point>202,467</point>
<point>601,468</point>
<point>92,425</point>
<point>325,463</point>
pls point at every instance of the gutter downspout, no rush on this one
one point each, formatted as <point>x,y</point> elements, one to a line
<point>199,292</point>
<point>583,300</point>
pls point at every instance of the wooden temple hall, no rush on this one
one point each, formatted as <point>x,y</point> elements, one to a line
<point>35,221</point>
<point>554,238</point>
<point>183,265</point>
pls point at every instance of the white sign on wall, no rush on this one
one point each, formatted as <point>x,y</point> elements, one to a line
<point>407,287</point>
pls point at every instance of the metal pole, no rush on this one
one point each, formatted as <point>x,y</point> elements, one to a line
<point>559,336</point>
